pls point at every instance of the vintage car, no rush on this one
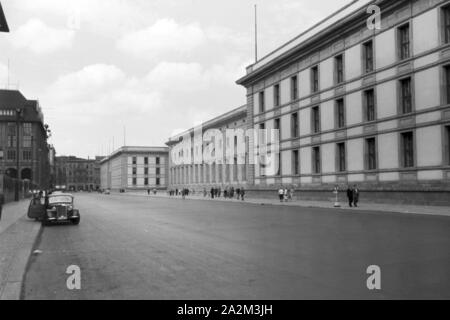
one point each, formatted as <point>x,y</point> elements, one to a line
<point>57,207</point>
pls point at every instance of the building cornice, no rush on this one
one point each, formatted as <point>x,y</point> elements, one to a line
<point>316,41</point>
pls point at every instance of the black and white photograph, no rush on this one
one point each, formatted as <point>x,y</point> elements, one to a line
<point>224,155</point>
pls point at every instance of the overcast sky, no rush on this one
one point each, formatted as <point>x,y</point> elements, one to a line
<point>153,66</point>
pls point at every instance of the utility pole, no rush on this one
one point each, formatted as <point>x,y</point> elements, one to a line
<point>256,33</point>
<point>18,116</point>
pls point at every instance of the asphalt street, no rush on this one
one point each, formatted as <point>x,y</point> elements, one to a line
<point>138,248</point>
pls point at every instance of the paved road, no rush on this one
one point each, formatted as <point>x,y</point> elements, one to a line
<point>138,248</point>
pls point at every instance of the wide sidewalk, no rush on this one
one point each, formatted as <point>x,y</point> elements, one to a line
<point>377,207</point>
<point>17,237</point>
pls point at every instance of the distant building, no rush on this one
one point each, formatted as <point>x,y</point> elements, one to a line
<point>76,174</point>
<point>357,105</point>
<point>23,118</point>
<point>135,168</point>
<point>189,168</point>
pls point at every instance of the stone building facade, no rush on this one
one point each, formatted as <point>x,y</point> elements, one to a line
<point>360,105</point>
<point>76,174</point>
<point>135,169</point>
<point>22,122</point>
<point>189,167</point>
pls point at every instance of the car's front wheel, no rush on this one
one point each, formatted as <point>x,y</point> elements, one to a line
<point>76,221</point>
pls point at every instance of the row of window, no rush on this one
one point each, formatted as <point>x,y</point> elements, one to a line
<point>369,107</point>
<point>27,155</point>
<point>198,175</point>
<point>368,62</point>
<point>158,160</point>
<point>158,171</point>
<point>146,182</point>
<point>407,154</point>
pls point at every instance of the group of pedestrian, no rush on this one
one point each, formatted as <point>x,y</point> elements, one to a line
<point>286,194</point>
<point>227,193</point>
<point>353,196</point>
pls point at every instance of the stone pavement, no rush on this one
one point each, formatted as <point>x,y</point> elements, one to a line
<point>378,207</point>
<point>17,237</point>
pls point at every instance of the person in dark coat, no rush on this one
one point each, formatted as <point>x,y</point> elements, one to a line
<point>350,196</point>
<point>355,195</point>
<point>243,194</point>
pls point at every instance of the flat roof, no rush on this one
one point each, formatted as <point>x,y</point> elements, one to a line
<point>135,149</point>
<point>297,42</point>
<point>210,123</point>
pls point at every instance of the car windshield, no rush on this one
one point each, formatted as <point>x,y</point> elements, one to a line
<point>60,199</point>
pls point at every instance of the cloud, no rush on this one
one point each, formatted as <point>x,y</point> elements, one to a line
<point>98,90</point>
<point>36,36</point>
<point>164,37</point>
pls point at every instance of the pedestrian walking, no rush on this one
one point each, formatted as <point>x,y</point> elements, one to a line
<point>243,194</point>
<point>291,194</point>
<point>350,196</point>
<point>238,193</point>
<point>286,196</point>
<point>281,194</point>
<point>355,195</point>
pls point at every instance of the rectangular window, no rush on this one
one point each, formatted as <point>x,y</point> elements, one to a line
<point>276,95</point>
<point>11,155</point>
<point>369,101</point>
<point>407,140</point>
<point>262,104</point>
<point>339,68</point>
<point>294,88</point>
<point>277,124</point>
<point>341,154</point>
<point>146,171</point>
<point>294,125</point>
<point>371,154</point>
<point>368,56</point>
<point>316,160</point>
<point>27,155</point>
<point>134,171</point>
<point>146,181</point>
<point>158,181</point>
<point>262,134</point>
<point>340,113</point>
<point>158,161</point>
<point>134,182</point>
<point>404,41</point>
<point>146,160</point>
<point>158,171</point>
<point>134,160</point>
<point>296,162</point>
<point>316,119</point>
<point>446,23</point>
<point>447,135</point>
<point>405,96</point>
<point>315,79</point>
<point>447,83</point>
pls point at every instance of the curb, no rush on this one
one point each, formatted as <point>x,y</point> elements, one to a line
<point>13,284</point>
<point>252,201</point>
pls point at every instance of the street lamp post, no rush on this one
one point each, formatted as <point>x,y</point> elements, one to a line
<point>18,116</point>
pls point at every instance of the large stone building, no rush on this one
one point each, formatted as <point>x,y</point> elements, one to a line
<point>135,168</point>
<point>191,165</point>
<point>360,105</point>
<point>24,152</point>
<point>76,174</point>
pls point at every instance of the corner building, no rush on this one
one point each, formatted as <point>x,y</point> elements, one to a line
<point>360,106</point>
